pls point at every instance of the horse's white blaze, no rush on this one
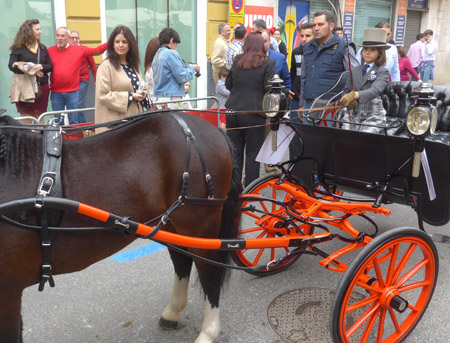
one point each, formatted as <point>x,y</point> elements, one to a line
<point>210,326</point>
<point>178,299</point>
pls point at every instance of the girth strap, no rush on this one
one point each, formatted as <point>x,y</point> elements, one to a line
<point>50,184</point>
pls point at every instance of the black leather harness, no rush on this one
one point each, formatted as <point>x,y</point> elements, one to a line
<point>50,184</point>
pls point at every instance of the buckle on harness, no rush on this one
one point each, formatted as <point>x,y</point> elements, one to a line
<point>46,184</point>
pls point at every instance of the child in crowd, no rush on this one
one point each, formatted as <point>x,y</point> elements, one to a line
<point>405,66</point>
<point>186,104</point>
<point>222,94</point>
<point>369,80</point>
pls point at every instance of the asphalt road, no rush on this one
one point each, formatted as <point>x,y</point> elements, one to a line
<point>120,299</point>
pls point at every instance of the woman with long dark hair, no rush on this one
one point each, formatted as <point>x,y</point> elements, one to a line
<point>27,47</point>
<point>247,81</point>
<point>169,70</point>
<point>120,89</point>
<point>150,52</point>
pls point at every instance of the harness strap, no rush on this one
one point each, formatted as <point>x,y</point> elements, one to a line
<point>46,245</point>
<point>190,137</point>
<point>50,184</point>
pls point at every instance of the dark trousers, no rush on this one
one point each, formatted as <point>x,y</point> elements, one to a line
<point>250,140</point>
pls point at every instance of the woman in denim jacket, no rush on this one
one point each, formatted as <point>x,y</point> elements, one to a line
<point>169,70</point>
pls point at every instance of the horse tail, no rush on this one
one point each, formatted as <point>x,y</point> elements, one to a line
<point>230,211</point>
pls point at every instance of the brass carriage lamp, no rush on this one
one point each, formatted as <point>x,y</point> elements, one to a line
<point>421,122</point>
<point>274,105</point>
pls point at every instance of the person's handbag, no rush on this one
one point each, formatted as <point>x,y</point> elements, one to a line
<point>37,86</point>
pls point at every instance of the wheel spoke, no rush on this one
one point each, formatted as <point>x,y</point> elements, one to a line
<point>394,320</point>
<point>391,269</point>
<point>263,205</point>
<point>403,261</point>
<point>369,326</point>
<point>245,231</point>
<point>381,325</point>
<point>412,272</point>
<point>360,304</point>
<point>414,285</point>
<point>378,272</point>
<point>251,214</point>
<point>258,257</point>
<point>366,315</point>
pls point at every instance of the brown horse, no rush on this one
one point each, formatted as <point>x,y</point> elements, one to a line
<point>134,170</point>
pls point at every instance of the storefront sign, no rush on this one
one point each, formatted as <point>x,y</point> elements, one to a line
<point>418,4</point>
<point>236,12</point>
<point>258,12</point>
<point>291,16</point>
<point>401,22</point>
<point>349,17</point>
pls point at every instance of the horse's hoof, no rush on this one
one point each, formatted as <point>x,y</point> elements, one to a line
<point>167,325</point>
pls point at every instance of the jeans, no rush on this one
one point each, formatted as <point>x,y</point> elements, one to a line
<point>426,73</point>
<point>84,85</point>
<point>293,114</point>
<point>62,101</point>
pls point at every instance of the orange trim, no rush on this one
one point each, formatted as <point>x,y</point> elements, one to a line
<point>93,212</point>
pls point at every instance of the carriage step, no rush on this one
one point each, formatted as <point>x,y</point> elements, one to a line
<point>437,237</point>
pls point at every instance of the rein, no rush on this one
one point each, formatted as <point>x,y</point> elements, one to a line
<point>50,185</point>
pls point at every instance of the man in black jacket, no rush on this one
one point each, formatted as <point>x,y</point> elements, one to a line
<point>306,34</point>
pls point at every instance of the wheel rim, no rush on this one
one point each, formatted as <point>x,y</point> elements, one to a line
<point>404,269</point>
<point>258,225</point>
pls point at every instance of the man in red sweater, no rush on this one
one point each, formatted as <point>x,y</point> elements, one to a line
<point>65,77</point>
<point>87,64</point>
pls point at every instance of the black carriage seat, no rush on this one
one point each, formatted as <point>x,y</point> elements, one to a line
<point>397,100</point>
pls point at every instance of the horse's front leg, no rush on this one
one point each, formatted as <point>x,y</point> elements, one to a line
<point>178,301</point>
<point>10,320</point>
<point>211,324</point>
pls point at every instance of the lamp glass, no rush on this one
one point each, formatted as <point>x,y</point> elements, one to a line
<point>418,121</point>
<point>271,104</point>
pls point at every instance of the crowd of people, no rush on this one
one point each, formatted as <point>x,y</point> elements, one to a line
<point>241,66</point>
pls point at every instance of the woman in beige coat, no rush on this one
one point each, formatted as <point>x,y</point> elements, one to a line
<point>120,89</point>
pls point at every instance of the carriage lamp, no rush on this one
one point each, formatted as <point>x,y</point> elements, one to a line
<point>421,122</point>
<point>274,105</point>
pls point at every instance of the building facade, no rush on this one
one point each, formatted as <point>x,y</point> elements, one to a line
<point>196,21</point>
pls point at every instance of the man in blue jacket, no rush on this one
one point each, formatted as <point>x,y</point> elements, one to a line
<point>325,58</point>
<point>281,68</point>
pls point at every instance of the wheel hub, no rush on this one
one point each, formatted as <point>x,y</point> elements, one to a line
<point>390,298</point>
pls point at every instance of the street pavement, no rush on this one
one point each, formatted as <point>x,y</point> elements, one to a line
<point>120,299</point>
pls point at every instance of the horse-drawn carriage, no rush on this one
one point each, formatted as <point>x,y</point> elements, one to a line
<point>186,199</point>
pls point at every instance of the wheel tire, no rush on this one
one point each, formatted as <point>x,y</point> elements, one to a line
<point>394,254</point>
<point>250,229</point>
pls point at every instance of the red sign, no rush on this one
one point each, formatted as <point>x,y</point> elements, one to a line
<point>237,5</point>
<point>258,12</point>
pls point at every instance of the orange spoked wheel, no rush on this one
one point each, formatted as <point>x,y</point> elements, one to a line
<point>386,289</point>
<point>264,219</point>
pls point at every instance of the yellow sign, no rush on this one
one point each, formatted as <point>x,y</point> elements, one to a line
<point>236,12</point>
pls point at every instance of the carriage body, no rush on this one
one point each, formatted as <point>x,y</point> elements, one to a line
<point>357,161</point>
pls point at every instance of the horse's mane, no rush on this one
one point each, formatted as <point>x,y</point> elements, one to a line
<point>7,120</point>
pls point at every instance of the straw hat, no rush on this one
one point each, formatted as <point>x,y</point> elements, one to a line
<point>375,38</point>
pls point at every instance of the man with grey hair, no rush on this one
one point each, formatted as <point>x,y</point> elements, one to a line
<point>65,77</point>
<point>87,65</point>
<point>219,50</point>
<point>259,25</point>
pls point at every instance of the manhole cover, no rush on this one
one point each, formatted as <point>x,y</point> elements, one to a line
<point>302,315</point>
